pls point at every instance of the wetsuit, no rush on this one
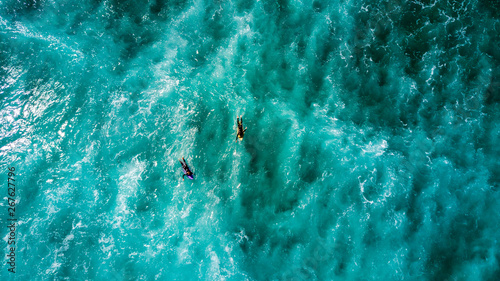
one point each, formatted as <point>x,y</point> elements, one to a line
<point>185,167</point>
<point>240,132</point>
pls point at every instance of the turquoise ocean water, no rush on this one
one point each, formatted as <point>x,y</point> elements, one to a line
<point>372,150</point>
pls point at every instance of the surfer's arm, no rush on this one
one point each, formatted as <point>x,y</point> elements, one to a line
<point>245,130</point>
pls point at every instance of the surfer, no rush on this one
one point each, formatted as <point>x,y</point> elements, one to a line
<point>240,132</point>
<point>185,167</point>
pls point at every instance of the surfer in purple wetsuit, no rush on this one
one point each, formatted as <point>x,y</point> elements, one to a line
<point>240,132</point>
<point>185,167</point>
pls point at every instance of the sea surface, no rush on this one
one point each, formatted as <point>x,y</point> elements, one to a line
<point>372,150</point>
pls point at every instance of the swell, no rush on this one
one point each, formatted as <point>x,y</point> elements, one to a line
<point>371,151</point>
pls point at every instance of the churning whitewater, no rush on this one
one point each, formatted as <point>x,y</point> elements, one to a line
<point>371,152</point>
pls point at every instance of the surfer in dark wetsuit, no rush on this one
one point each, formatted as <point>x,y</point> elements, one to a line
<point>240,132</point>
<point>185,167</point>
